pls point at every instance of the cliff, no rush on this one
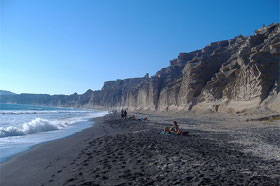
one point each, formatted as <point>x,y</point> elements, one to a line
<point>233,75</point>
<point>4,92</point>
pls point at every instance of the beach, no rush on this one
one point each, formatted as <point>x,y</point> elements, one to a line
<point>219,149</point>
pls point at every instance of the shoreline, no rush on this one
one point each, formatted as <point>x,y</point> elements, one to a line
<point>40,154</point>
<point>30,147</point>
<point>129,152</point>
<point>25,126</point>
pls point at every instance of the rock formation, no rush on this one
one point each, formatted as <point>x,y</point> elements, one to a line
<point>234,75</point>
<point>5,92</point>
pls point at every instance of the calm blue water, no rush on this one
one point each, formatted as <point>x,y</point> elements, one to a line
<point>23,126</point>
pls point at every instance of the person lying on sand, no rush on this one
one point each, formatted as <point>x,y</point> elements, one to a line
<point>143,119</point>
<point>173,129</point>
<point>133,117</point>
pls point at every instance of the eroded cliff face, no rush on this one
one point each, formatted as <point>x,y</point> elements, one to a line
<point>114,94</point>
<point>248,76</point>
<point>234,75</point>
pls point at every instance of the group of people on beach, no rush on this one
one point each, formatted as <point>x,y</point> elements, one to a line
<point>123,113</point>
<point>167,130</point>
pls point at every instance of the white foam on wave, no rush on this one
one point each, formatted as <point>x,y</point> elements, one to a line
<point>43,112</point>
<point>34,126</point>
<point>44,125</point>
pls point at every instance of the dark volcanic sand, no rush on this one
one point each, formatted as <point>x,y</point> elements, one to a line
<point>136,154</point>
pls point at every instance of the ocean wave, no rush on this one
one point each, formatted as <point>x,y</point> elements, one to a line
<point>38,125</point>
<point>43,112</point>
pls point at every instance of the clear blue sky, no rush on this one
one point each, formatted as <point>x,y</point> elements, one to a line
<point>67,46</point>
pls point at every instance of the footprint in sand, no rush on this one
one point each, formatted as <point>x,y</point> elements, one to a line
<point>97,176</point>
<point>70,180</point>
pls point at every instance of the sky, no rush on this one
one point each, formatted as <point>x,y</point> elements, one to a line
<point>67,46</point>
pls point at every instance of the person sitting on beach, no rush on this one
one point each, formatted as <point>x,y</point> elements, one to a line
<point>173,129</point>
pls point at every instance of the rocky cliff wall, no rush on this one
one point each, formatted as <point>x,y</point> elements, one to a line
<point>234,75</point>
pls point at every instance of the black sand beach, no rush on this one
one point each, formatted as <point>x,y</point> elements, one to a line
<point>130,152</point>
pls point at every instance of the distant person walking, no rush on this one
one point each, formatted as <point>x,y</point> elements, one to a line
<point>125,113</point>
<point>122,114</point>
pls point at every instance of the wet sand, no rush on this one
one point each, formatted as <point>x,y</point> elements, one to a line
<point>217,151</point>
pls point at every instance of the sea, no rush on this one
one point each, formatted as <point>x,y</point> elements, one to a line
<point>23,126</point>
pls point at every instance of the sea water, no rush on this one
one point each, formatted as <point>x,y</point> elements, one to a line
<point>23,126</point>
